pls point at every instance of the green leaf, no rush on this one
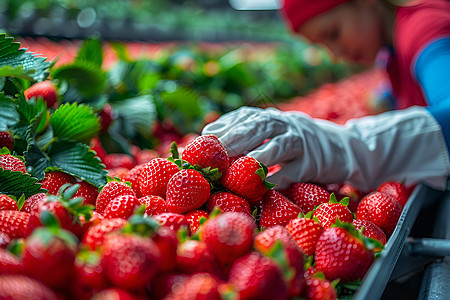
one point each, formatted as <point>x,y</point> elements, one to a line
<point>75,122</point>
<point>17,184</point>
<point>85,76</point>
<point>19,63</point>
<point>29,110</point>
<point>8,112</point>
<point>91,51</point>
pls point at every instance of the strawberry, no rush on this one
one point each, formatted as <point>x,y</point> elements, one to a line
<point>119,160</point>
<point>110,191</point>
<point>293,255</point>
<point>187,190</point>
<point>167,242</point>
<point>7,203</point>
<point>106,117</point>
<point>246,177</point>
<point>32,201</point>
<point>121,207</point>
<point>44,89</point>
<point>54,180</point>
<point>118,172</point>
<point>319,289</point>
<point>13,223</point>
<point>277,210</point>
<point>154,205</point>
<point>162,285</point>
<point>307,195</point>
<point>354,195</point>
<point>227,201</point>
<point>229,235</point>
<point>257,277</point>
<point>12,163</point>
<point>130,261</point>
<point>9,263</point>
<point>23,287</point>
<point>384,211</point>
<point>144,156</point>
<point>88,192</point>
<point>196,286</point>
<point>370,230</point>
<point>193,218</point>
<point>115,293</point>
<point>341,253</point>
<point>171,220</point>
<point>395,189</point>
<point>155,176</point>
<point>133,178</point>
<point>94,236</point>
<point>6,140</point>
<point>97,147</point>
<point>207,151</point>
<point>327,213</point>
<point>49,255</point>
<point>194,257</point>
<point>306,233</point>
<point>89,271</point>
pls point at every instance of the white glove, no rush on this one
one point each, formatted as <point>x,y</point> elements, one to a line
<point>399,145</point>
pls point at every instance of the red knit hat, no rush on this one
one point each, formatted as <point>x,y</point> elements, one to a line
<point>297,12</point>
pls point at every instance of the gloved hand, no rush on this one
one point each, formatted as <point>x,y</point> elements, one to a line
<point>399,145</point>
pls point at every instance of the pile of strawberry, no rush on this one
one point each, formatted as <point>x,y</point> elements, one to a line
<point>206,226</point>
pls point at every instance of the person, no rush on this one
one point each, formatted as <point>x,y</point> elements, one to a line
<point>410,143</point>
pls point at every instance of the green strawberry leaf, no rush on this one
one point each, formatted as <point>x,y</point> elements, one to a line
<point>8,112</point>
<point>17,184</point>
<point>75,122</point>
<point>19,63</point>
<point>91,51</point>
<point>29,110</point>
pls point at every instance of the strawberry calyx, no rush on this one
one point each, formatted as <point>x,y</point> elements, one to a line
<point>140,224</point>
<point>52,229</point>
<point>117,179</point>
<point>262,172</point>
<point>369,243</point>
<point>344,201</point>
<point>278,254</point>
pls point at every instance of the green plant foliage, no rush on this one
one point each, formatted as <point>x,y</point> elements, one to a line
<point>17,184</point>
<point>74,122</point>
<point>91,51</point>
<point>18,63</point>
<point>8,112</point>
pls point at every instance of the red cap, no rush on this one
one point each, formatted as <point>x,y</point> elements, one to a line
<point>297,12</point>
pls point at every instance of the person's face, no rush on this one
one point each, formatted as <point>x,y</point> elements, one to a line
<point>353,31</point>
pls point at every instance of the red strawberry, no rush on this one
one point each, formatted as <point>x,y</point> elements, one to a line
<point>187,190</point>
<point>6,140</point>
<point>121,207</point>
<point>195,287</point>
<point>227,201</point>
<point>162,285</point>
<point>340,253</point>
<point>246,177</point>
<point>308,195</point>
<point>9,162</point>
<point>257,277</point>
<point>13,223</point>
<point>384,211</point>
<point>266,240</point>
<point>370,230</point>
<point>44,89</point>
<point>89,271</point>
<point>354,195</point>
<point>110,191</point>
<point>306,233</point>
<point>155,176</point>
<point>172,220</point>
<point>106,117</point>
<point>207,151</point>
<point>32,201</point>
<point>277,210</point>
<point>115,293</point>
<point>395,189</point>
<point>193,218</point>
<point>9,263</point>
<point>144,156</point>
<point>93,238</point>
<point>97,147</point>
<point>133,178</point>
<point>154,205</point>
<point>229,235</point>
<point>327,213</point>
<point>130,261</point>
<point>23,287</point>
<point>119,160</point>
<point>119,172</point>
<point>7,203</point>
<point>194,257</point>
<point>88,192</point>
<point>54,180</point>
<point>319,289</point>
<point>49,256</point>
<point>167,242</point>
